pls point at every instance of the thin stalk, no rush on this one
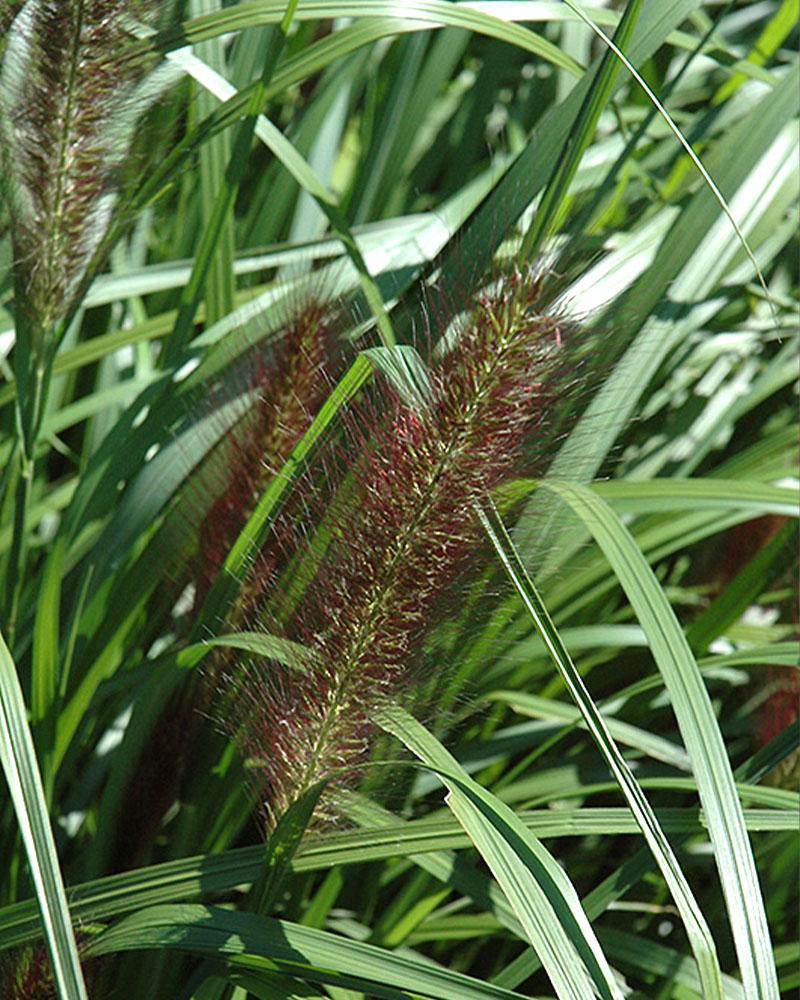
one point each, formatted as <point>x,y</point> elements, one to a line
<point>579,138</point>
<point>29,419</point>
<point>18,551</point>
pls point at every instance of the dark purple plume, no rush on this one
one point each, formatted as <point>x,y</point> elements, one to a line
<point>399,540</point>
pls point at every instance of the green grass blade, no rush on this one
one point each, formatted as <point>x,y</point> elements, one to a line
<point>269,986</point>
<point>249,941</point>
<point>642,955</point>
<point>425,840</point>
<point>701,735</point>
<point>528,173</point>
<point>534,707</point>
<point>222,168</point>
<point>214,158</point>
<point>282,844</point>
<point>252,535</point>
<point>442,865</point>
<point>697,929</point>
<point>45,665</point>
<point>301,171</point>
<point>580,136</point>
<point>429,13</point>
<point>690,262</point>
<point>22,775</point>
<point>665,115</point>
<point>540,894</point>
<point>616,884</point>
<point>669,495</point>
<point>783,22</point>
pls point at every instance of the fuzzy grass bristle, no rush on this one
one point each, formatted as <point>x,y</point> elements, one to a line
<point>401,539</point>
<point>290,386</point>
<point>69,102</point>
<point>26,973</point>
<point>284,390</point>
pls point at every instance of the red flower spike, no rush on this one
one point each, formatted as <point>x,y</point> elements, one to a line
<point>290,387</point>
<point>400,542</point>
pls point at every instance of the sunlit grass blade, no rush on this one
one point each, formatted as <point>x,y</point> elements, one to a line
<point>22,775</point>
<point>672,494</point>
<point>697,929</point>
<point>214,160</point>
<point>579,138</point>
<point>529,171</point>
<point>637,866</point>
<point>701,735</point>
<point>537,889</point>
<point>211,874</point>
<point>775,32</point>
<point>442,865</point>
<point>213,262</point>
<point>665,115</point>
<point>690,261</point>
<point>300,170</point>
<point>549,708</point>
<point>632,952</point>
<point>248,941</point>
<point>431,13</point>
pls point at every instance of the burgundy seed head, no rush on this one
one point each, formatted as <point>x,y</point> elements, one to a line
<point>289,387</point>
<point>399,540</point>
<point>68,99</point>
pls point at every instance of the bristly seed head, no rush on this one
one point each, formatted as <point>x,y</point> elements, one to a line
<point>291,386</point>
<point>401,538</point>
<point>68,104</point>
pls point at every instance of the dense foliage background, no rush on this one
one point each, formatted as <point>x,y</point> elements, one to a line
<point>613,671</point>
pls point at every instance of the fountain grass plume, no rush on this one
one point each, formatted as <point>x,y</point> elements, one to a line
<point>290,386</point>
<point>400,539</point>
<point>70,95</point>
<point>284,390</point>
<point>69,99</point>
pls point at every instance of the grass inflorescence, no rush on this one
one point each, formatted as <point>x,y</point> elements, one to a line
<point>70,101</point>
<point>400,536</point>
